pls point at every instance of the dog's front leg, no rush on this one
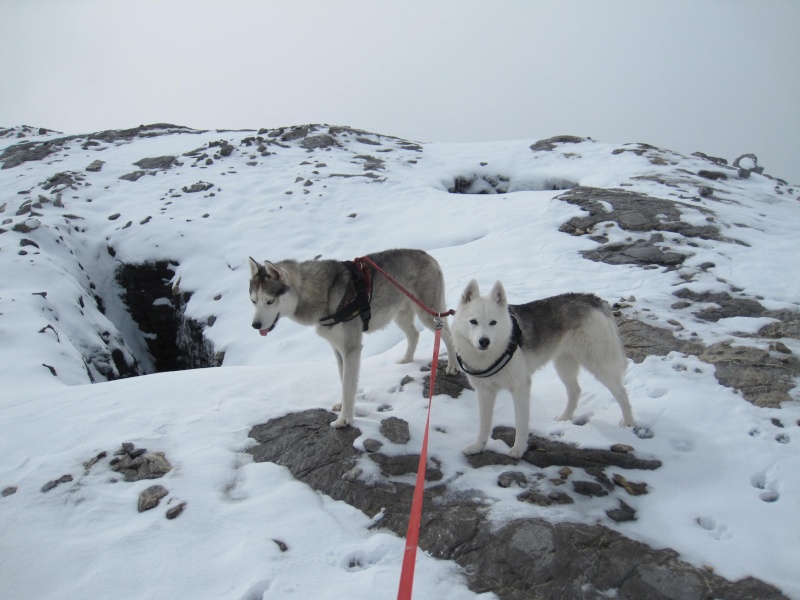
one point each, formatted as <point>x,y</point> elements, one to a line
<point>351,362</point>
<point>486,400</point>
<point>522,410</point>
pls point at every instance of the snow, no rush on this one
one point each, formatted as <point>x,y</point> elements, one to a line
<point>726,496</point>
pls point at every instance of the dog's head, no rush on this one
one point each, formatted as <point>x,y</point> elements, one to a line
<point>483,320</point>
<point>269,292</point>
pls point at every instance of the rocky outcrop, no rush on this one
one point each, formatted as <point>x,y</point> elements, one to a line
<point>524,559</point>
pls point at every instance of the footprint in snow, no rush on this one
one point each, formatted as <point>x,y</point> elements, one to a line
<point>764,481</point>
<point>717,530</point>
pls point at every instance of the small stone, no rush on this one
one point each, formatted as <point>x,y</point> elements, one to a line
<point>65,478</point>
<point>8,491</point>
<point>150,497</point>
<point>589,488</point>
<point>49,486</point>
<point>372,445</point>
<point>175,511</point>
<point>509,478</point>
<point>622,514</point>
<point>395,430</point>
<point>779,347</point>
<point>128,447</point>
<point>281,545</point>
<point>564,472</point>
<point>634,489</point>
<point>406,380</point>
<point>137,452</point>
<point>353,474</point>
<point>622,448</point>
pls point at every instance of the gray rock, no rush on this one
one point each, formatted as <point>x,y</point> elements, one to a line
<point>551,143</point>
<point>764,380</point>
<point>642,340</point>
<point>318,141</point>
<point>157,163</point>
<point>200,186</point>
<point>371,445</point>
<point>95,166</point>
<point>452,385</point>
<point>10,490</point>
<point>509,478</point>
<point>557,561</point>
<point>150,497</point>
<point>395,430</point>
<point>175,511</point>
<point>134,176</point>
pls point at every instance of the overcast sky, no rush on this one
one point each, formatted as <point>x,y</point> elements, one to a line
<point>718,76</point>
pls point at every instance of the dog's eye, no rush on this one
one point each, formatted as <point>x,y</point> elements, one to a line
<point>271,301</point>
<point>492,323</point>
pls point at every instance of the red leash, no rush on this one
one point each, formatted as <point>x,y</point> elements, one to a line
<point>414,519</point>
<point>371,263</point>
<point>412,535</point>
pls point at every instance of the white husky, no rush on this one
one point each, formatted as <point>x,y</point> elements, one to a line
<point>330,294</point>
<point>500,346</point>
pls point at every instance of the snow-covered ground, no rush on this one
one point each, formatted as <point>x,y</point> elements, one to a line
<point>728,493</point>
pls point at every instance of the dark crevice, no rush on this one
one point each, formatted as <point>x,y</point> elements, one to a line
<point>175,342</point>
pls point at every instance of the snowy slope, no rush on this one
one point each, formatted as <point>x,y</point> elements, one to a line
<point>726,496</point>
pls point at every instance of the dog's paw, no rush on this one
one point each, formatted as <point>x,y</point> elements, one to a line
<point>337,407</point>
<point>452,368</point>
<point>475,448</point>
<point>517,451</point>
<point>564,417</point>
<point>340,422</point>
<point>405,360</point>
<point>627,423</point>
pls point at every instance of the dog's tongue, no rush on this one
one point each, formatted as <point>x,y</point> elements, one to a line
<point>263,332</point>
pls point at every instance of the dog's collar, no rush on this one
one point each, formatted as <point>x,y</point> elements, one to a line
<point>500,363</point>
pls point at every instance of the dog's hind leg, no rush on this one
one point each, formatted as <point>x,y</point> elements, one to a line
<point>486,400</point>
<point>567,367</point>
<point>405,321</point>
<point>613,381</point>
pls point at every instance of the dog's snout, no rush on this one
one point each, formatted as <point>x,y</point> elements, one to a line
<point>483,343</point>
<point>256,324</point>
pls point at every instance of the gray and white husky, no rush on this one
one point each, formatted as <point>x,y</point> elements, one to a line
<point>310,292</point>
<point>500,346</point>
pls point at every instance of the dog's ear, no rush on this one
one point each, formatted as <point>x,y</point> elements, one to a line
<point>274,271</point>
<point>254,267</point>
<point>470,292</point>
<point>499,294</point>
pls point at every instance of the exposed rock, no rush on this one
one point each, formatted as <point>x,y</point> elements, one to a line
<point>318,141</point>
<point>8,491</point>
<point>95,166</point>
<point>395,430</point>
<point>157,163</point>
<point>544,452</point>
<point>136,465</point>
<point>178,342</point>
<point>623,513</point>
<point>175,511</point>
<point>509,478</point>
<point>452,385</point>
<point>150,497</point>
<point>764,380</point>
<point>371,445</point>
<point>634,489</point>
<point>56,482</point>
<point>727,306</point>
<point>394,466</point>
<point>200,186</point>
<point>134,176</point>
<point>527,558</point>
<point>642,340</point>
<point>550,143</point>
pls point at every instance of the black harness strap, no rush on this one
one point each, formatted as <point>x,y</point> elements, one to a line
<point>356,299</point>
<point>500,363</point>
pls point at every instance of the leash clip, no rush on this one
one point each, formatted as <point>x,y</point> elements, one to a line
<point>438,323</point>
